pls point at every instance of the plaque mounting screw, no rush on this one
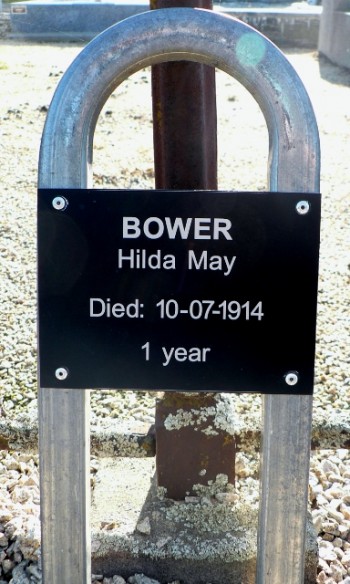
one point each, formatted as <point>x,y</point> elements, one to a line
<point>303,207</point>
<point>291,378</point>
<point>60,203</point>
<point>61,373</point>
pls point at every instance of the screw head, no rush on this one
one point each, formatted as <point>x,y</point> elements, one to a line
<point>61,373</point>
<point>291,378</point>
<point>60,203</point>
<point>303,207</point>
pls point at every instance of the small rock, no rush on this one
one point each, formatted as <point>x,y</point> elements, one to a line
<point>342,453</point>
<point>17,557</point>
<point>13,526</point>
<point>327,554</point>
<point>162,542</point>
<point>346,560</point>
<point>20,495</point>
<point>191,499</point>
<point>337,571</point>
<point>5,515</point>
<point>335,515</point>
<point>3,540</point>
<point>321,499</point>
<point>19,576</point>
<point>339,552</point>
<point>226,497</point>
<point>33,570</point>
<point>345,510</point>
<point>316,490</point>
<point>95,545</point>
<point>330,527</point>
<point>317,521</point>
<point>141,579</point>
<point>144,527</point>
<point>328,537</point>
<point>338,542</point>
<point>109,525</point>
<point>346,493</point>
<point>7,566</point>
<point>324,566</point>
<point>321,578</point>
<point>241,468</point>
<point>343,531</point>
<point>328,467</point>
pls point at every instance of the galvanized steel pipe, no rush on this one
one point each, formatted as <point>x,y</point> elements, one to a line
<point>191,35</point>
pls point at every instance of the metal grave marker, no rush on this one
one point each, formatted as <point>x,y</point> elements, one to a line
<point>65,165</point>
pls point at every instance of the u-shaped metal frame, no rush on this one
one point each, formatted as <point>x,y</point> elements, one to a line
<point>65,162</point>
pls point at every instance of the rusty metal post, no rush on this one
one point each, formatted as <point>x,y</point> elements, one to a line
<point>185,157</point>
<point>184,118</point>
<point>193,445</point>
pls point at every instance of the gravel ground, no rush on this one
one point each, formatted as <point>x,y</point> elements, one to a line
<point>123,158</point>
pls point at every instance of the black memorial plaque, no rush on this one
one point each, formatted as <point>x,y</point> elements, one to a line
<point>178,290</point>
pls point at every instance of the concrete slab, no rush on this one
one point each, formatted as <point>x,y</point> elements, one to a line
<point>69,20</point>
<point>207,538</point>
<point>334,37</point>
<point>286,25</point>
<point>54,20</point>
<point>5,24</point>
<point>133,439</point>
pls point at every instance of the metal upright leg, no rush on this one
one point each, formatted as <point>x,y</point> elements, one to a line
<point>286,435</point>
<point>65,489</point>
<point>284,488</point>
<point>64,414</point>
